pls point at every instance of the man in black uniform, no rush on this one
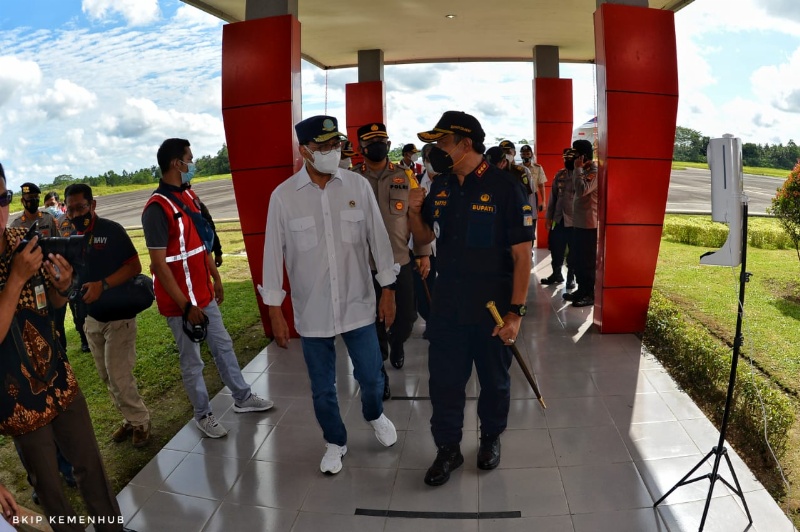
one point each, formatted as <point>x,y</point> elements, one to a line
<point>483,227</point>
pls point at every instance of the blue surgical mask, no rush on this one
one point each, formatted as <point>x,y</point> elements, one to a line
<point>188,174</point>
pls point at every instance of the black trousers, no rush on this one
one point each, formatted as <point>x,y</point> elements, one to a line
<point>452,352</point>
<point>78,309</point>
<point>420,294</point>
<point>406,313</point>
<point>558,243</point>
<point>583,247</point>
<point>59,315</point>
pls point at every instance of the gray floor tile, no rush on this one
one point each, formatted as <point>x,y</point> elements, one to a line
<point>554,523</point>
<point>662,475</point>
<point>259,364</point>
<point>273,484</point>
<point>293,445</point>
<point>170,511</point>
<point>565,412</point>
<point>229,517</point>
<point>589,488</point>
<point>311,522</point>
<point>589,445</point>
<point>131,499</point>
<point>186,439</point>
<point>281,385</point>
<point>268,417</point>
<point>651,441</point>
<point>249,377</point>
<point>639,520</point>
<point>526,449</point>
<point>460,494</point>
<point>660,380</point>
<point>419,450</point>
<point>682,405</point>
<point>242,441</point>
<point>526,414</point>
<point>351,488</point>
<point>206,476</point>
<point>767,516</point>
<point>534,492</point>
<point>431,525</point>
<point>625,383</point>
<point>577,384</point>
<point>364,450</point>
<point>159,468</point>
<point>639,408</point>
<point>724,515</point>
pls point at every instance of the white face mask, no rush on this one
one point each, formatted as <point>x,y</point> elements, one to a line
<point>328,163</point>
<point>509,158</point>
<point>415,157</point>
<point>345,163</point>
<point>429,169</point>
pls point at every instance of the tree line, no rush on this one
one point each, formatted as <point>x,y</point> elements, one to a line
<point>206,165</point>
<point>691,145</point>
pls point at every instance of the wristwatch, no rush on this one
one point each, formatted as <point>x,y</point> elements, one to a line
<point>519,310</point>
<point>105,285</point>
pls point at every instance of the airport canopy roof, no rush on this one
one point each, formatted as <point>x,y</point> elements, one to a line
<point>424,31</point>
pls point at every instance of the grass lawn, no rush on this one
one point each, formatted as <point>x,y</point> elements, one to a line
<point>157,372</point>
<point>771,329</point>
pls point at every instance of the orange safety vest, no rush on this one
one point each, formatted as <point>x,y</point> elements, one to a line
<point>186,256</point>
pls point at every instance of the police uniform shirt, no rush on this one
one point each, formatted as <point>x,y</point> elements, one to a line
<point>556,207</point>
<point>326,236</point>
<point>391,186</point>
<point>584,206</point>
<point>537,174</point>
<point>48,227</point>
<point>475,226</point>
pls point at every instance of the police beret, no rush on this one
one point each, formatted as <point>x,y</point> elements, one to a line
<point>347,149</point>
<point>30,188</point>
<point>494,155</point>
<point>526,147</point>
<point>410,148</point>
<point>371,131</point>
<point>507,145</point>
<point>317,129</point>
<point>454,123</point>
<point>584,147</point>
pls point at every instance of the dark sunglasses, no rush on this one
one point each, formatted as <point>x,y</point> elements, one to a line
<point>5,198</point>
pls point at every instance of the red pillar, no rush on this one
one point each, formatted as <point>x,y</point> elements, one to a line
<point>261,102</point>
<point>552,118</point>
<point>637,79</point>
<point>365,102</point>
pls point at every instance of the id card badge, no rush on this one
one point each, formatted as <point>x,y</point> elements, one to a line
<point>41,296</point>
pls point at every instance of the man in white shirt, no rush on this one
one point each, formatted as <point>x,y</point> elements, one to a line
<point>324,222</point>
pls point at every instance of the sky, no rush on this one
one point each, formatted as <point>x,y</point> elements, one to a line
<point>88,86</point>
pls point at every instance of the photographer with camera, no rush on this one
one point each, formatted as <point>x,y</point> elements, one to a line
<point>41,404</point>
<point>110,260</point>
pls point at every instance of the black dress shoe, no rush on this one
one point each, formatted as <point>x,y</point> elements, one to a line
<point>448,459</point>
<point>571,285</point>
<point>397,355</point>
<point>70,480</point>
<point>387,392</point>
<point>585,301</point>
<point>489,453</point>
<point>35,498</point>
<point>85,348</point>
<point>568,296</point>
<point>552,280</point>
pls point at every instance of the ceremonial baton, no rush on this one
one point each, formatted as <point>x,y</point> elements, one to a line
<point>424,282</point>
<point>528,374</point>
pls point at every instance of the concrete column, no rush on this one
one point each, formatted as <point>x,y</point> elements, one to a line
<point>370,65</point>
<point>634,3</point>
<point>365,101</point>
<point>552,122</point>
<point>255,9</point>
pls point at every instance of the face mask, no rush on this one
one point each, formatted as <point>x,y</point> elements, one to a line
<point>31,206</point>
<point>441,162</point>
<point>569,164</point>
<point>415,157</point>
<point>429,168</point>
<point>188,174</point>
<point>509,158</point>
<point>344,163</point>
<point>327,163</point>
<point>82,222</point>
<point>54,211</point>
<point>526,160</point>
<point>376,152</point>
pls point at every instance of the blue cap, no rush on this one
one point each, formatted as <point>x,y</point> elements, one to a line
<point>317,129</point>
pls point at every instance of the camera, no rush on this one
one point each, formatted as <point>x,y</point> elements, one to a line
<point>196,331</point>
<point>70,247</point>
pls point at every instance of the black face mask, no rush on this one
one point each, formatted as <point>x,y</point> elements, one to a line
<point>81,222</point>
<point>31,206</point>
<point>569,164</point>
<point>440,160</point>
<point>376,152</point>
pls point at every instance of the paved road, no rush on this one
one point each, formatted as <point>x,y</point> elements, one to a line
<point>689,190</point>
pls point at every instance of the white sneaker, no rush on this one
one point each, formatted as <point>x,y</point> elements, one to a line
<point>253,403</point>
<point>384,430</point>
<point>211,427</point>
<point>332,461</point>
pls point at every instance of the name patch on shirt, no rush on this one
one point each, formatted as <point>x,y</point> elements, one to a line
<point>527,220</point>
<point>399,187</point>
<point>440,203</point>
<point>479,207</point>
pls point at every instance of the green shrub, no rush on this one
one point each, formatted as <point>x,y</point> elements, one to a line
<point>700,364</point>
<point>763,233</point>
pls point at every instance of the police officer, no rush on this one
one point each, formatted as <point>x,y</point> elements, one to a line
<point>559,210</point>
<point>483,227</point>
<point>30,202</point>
<point>583,245</point>
<point>391,185</point>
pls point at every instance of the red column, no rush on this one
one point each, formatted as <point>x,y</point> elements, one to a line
<point>552,118</point>
<point>365,102</point>
<point>637,79</point>
<point>261,102</point>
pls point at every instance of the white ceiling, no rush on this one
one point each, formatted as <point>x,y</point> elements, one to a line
<point>413,31</point>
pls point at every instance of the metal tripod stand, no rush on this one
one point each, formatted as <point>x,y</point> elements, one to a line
<point>719,450</point>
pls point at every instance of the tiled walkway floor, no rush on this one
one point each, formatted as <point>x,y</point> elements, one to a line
<point>616,435</point>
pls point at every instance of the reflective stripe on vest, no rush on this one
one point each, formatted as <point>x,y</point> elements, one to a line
<point>184,255</point>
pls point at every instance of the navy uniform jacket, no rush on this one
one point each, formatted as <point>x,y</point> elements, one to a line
<point>475,226</point>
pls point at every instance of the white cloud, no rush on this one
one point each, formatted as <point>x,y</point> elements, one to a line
<point>780,84</point>
<point>135,12</point>
<point>15,73</point>
<point>64,100</point>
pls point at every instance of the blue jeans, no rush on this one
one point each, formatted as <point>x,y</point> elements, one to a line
<point>221,347</point>
<point>320,356</point>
